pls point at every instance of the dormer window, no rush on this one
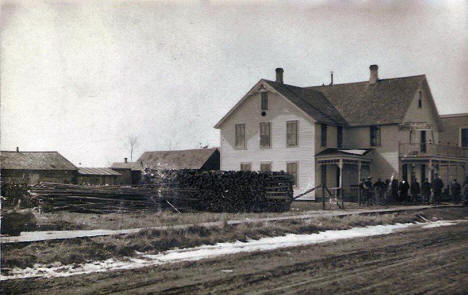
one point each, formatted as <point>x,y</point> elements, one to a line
<point>420,99</point>
<point>264,103</point>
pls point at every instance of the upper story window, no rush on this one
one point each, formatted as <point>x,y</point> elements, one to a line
<point>265,134</point>
<point>264,101</point>
<point>464,137</point>
<point>420,99</point>
<point>339,136</point>
<point>323,135</point>
<point>375,136</point>
<point>291,133</point>
<point>240,136</point>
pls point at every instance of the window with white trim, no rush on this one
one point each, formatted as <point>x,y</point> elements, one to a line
<point>245,166</point>
<point>464,137</point>
<point>264,103</point>
<point>291,134</point>
<point>291,168</point>
<point>240,136</point>
<point>265,135</point>
<point>265,167</point>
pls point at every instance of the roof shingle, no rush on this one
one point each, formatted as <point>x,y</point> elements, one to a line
<point>312,102</point>
<point>361,103</point>
<point>97,171</point>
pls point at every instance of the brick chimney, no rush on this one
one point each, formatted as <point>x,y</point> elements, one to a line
<point>125,159</point>
<point>279,75</point>
<point>374,74</point>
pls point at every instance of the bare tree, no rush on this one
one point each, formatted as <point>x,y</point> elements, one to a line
<point>133,143</point>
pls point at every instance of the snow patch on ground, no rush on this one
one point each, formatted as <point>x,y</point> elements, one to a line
<point>439,224</point>
<point>209,251</point>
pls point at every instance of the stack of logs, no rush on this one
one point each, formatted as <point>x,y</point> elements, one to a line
<point>182,190</point>
<point>222,191</point>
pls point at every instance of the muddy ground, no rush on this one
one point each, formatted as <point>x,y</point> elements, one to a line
<point>423,261</point>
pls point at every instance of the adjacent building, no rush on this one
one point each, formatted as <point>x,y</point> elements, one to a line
<point>98,176</point>
<point>25,167</point>
<point>201,159</point>
<point>337,134</point>
<point>130,171</point>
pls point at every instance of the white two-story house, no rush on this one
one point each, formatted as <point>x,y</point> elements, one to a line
<point>338,134</point>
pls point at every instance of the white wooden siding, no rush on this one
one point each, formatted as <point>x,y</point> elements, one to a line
<point>279,112</point>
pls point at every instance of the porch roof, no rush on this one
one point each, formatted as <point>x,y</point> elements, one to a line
<point>346,154</point>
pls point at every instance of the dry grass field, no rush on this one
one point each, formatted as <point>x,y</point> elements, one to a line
<point>70,221</point>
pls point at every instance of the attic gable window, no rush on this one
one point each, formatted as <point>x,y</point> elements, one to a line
<point>420,99</point>
<point>264,103</point>
<point>375,136</point>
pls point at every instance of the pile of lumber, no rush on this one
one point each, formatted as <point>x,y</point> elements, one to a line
<point>96,199</point>
<point>222,191</point>
<point>181,190</point>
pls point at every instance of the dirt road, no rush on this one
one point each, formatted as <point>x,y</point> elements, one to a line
<point>428,261</point>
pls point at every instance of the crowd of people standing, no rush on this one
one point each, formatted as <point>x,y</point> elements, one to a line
<point>394,191</point>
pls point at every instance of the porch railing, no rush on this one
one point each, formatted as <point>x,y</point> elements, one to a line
<point>411,150</point>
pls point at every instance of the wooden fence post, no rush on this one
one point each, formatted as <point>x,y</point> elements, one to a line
<point>323,197</point>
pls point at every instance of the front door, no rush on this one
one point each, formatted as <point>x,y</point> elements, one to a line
<point>423,141</point>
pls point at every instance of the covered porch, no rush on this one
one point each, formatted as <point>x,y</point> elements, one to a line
<point>447,168</point>
<point>341,170</point>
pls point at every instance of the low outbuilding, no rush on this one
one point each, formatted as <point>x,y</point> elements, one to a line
<point>98,176</point>
<point>130,171</point>
<point>32,167</point>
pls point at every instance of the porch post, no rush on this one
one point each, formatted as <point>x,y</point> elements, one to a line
<point>359,181</point>
<point>431,171</point>
<point>359,171</point>
<point>448,172</point>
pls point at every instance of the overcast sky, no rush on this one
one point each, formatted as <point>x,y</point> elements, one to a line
<point>81,76</point>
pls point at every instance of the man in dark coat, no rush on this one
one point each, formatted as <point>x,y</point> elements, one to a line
<point>379,187</point>
<point>437,186</point>
<point>370,193</point>
<point>388,189</point>
<point>456,190</point>
<point>426,191</point>
<point>404,187</point>
<point>362,192</point>
<point>465,192</point>
<point>394,190</point>
<point>415,189</point>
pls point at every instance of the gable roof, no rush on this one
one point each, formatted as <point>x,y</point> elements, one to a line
<point>311,102</point>
<point>180,159</point>
<point>34,161</point>
<point>134,166</point>
<point>385,102</point>
<point>97,171</point>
